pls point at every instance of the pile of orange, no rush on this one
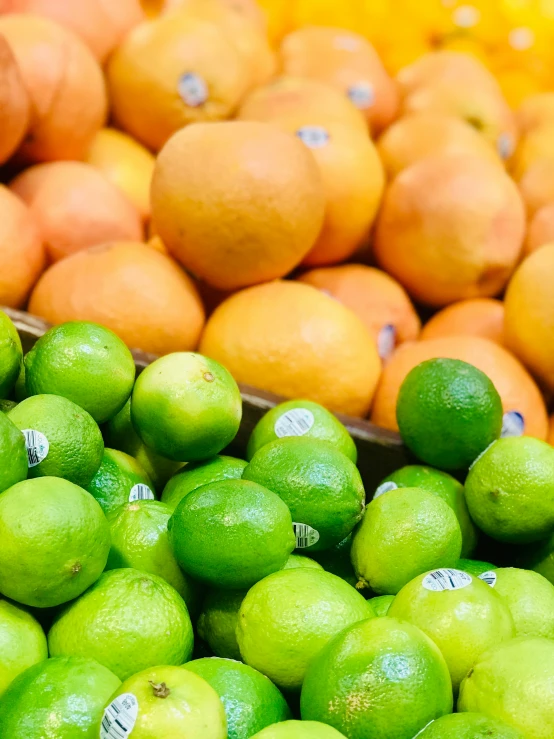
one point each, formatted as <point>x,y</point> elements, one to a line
<point>310,192</point>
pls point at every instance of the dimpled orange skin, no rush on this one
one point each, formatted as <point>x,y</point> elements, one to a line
<point>290,339</point>
<point>482,317</point>
<point>541,229</point>
<point>14,103</point>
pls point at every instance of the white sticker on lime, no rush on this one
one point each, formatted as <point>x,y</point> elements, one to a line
<point>37,446</point>
<point>140,492</point>
<point>295,422</point>
<point>362,95</point>
<point>513,424</point>
<point>489,577</point>
<point>446,579</point>
<point>315,137</point>
<point>192,89</point>
<point>385,487</point>
<point>386,341</point>
<point>119,717</point>
<point>305,535</point>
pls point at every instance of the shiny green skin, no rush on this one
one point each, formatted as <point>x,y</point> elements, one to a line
<point>22,642</point>
<point>337,560</point>
<point>186,407</point>
<point>448,412</point>
<point>530,598</point>
<point>299,730</point>
<point>217,623</point>
<point>117,474</point>
<point>250,699</point>
<point>326,427</point>
<point>20,388</point>
<point>76,444</point>
<point>468,726</point>
<point>128,621</point>
<point>474,566</point>
<point>196,474</point>
<point>54,541</point>
<point>60,698</point>
<point>381,604</point>
<point>232,533</point>
<point>85,363</point>
<point>377,679</point>
<point>14,465</point>
<point>11,354</point>
<point>297,560</point>
<point>319,484</point>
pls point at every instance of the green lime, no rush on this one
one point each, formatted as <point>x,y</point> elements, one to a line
<point>7,405</point>
<point>54,541</point>
<point>231,533</point>
<point>474,566</point>
<point>301,418</point>
<point>250,699</point>
<point>514,683</point>
<point>128,621</point>
<point>186,407</point>
<point>448,412</point>
<point>218,621</point>
<point>62,439</point>
<point>460,613</point>
<point>337,560</point>
<point>11,354</point>
<point>320,485</point>
<point>530,598</point>
<point>120,479</point>
<point>60,698</point>
<point>196,474</point>
<point>297,560</point>
<point>378,678</point>
<point>13,453</point>
<point>299,730</point>
<point>509,490</point>
<point>404,533</point>
<point>20,388</point>
<point>540,558</point>
<point>381,604</point>
<point>286,618</point>
<point>443,485</point>
<point>85,363</point>
<point>468,726</point>
<point>22,642</point>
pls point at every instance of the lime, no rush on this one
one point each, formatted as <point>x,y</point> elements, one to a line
<point>443,485</point>
<point>286,618</point>
<point>297,560</point>
<point>11,354</point>
<point>404,533</point>
<point>59,698</point>
<point>20,388</point>
<point>196,474</point>
<point>337,560</point>
<point>301,418</point>
<point>320,485</point>
<point>22,642</point>
<point>250,699</point>
<point>7,405</point>
<point>120,479</point>
<point>530,598</point>
<point>164,702</point>
<point>514,683</point>
<point>299,730</point>
<point>62,439</point>
<point>468,726</point>
<point>218,621</point>
<point>540,558</point>
<point>509,490</point>
<point>378,678</point>
<point>13,453</point>
<point>381,604</point>
<point>460,613</point>
<point>231,533</point>
<point>186,407</point>
<point>128,621</point>
<point>85,363</point>
<point>474,566</point>
<point>448,412</point>
<point>54,541</point>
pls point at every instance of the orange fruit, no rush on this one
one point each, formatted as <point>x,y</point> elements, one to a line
<point>536,185</point>
<point>248,9</point>
<point>536,110</point>
<point>541,229</point>
<point>237,203</point>
<point>482,317</point>
<point>14,103</point>
<point>516,387</point>
<point>290,339</point>
<point>129,287</point>
<point>194,73</point>
<point>451,228</point>
<point>444,66</point>
<point>126,163</point>
<point>22,257</point>
<point>75,207</point>
<point>537,145</point>
<point>64,83</point>
<point>551,431</point>
<point>154,242</point>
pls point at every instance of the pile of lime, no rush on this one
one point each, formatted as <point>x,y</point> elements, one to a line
<point>155,586</point>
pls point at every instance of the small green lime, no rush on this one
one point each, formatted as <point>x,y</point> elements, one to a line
<point>381,604</point>
<point>13,453</point>
<point>474,566</point>
<point>297,560</point>
<point>11,354</point>
<point>120,479</point>
<point>337,560</point>
<point>196,474</point>
<point>22,642</point>
<point>299,730</point>
<point>468,726</point>
<point>218,621</point>
<point>530,598</point>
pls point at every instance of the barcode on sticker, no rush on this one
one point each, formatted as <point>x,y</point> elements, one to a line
<point>37,446</point>
<point>386,341</point>
<point>192,89</point>
<point>489,577</point>
<point>513,424</point>
<point>446,579</point>
<point>119,717</point>
<point>362,95</point>
<point>313,136</point>
<point>140,492</point>
<point>295,422</point>
<point>305,535</point>
<point>385,487</point>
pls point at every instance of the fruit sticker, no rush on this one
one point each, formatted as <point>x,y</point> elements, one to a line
<point>489,577</point>
<point>140,492</point>
<point>386,341</point>
<point>119,717</point>
<point>295,422</point>
<point>513,424</point>
<point>315,137</point>
<point>37,446</point>
<point>385,487</point>
<point>305,535</point>
<point>362,95</point>
<point>505,145</point>
<point>446,579</point>
<point>192,89</point>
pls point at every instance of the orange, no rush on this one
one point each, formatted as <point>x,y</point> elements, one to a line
<point>347,61</point>
<point>22,257</point>
<point>154,242</point>
<point>290,339</point>
<point>551,431</point>
<point>451,228</point>
<point>541,229</point>
<point>65,87</point>
<point>126,163</point>
<point>193,73</point>
<point>75,207</point>
<point>482,317</point>
<point>248,9</point>
<point>536,185</point>
<point>444,66</point>
<point>516,387</point>
<point>536,110</point>
<point>237,203</point>
<point>14,103</point>
<point>140,294</point>
<point>537,145</point>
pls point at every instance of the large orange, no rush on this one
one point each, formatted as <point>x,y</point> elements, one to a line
<point>14,103</point>
<point>65,86</point>
<point>536,184</point>
<point>444,66</point>
<point>129,287</point>
<point>535,146</point>
<point>75,207</point>
<point>515,385</point>
<point>22,257</point>
<point>237,203</point>
<point>482,317</point>
<point>541,229</point>
<point>290,339</point>
<point>451,228</point>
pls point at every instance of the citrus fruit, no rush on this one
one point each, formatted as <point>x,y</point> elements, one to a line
<point>534,110</point>
<point>286,618</point>
<point>252,525</point>
<point>298,730</point>
<point>13,453</point>
<point>22,642</point>
<point>120,479</point>
<point>128,621</point>
<point>336,560</point>
<point>14,100</point>
<point>540,230</point>
<point>218,621</point>
<point>404,533</point>
<point>359,663</point>
<point>530,162</point>
<point>474,567</point>
<point>197,474</point>
<point>468,726</point>
<point>530,597</point>
<point>11,354</point>
<point>381,604</point>
<point>297,560</point>
<point>186,407</point>
<point>536,184</point>
<point>321,487</point>
<point>539,557</point>
<point>475,317</point>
